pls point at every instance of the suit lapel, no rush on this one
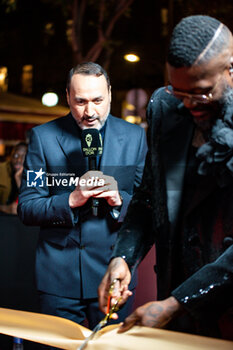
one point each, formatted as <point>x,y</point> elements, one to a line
<point>177,130</point>
<point>112,150</point>
<point>70,143</point>
<point>178,133</point>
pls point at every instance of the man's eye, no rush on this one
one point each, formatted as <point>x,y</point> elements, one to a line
<point>80,102</point>
<point>98,100</point>
<point>203,91</point>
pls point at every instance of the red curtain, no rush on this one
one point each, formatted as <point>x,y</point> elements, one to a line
<point>14,130</point>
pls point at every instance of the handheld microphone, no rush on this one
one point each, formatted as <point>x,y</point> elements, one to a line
<point>92,146</point>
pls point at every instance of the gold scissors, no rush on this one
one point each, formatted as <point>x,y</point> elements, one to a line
<point>107,317</point>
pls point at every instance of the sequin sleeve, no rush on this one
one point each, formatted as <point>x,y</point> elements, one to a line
<point>210,289</point>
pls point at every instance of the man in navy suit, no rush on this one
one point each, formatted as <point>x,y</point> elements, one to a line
<point>75,246</point>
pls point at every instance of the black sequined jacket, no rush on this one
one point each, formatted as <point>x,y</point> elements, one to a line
<point>194,250</point>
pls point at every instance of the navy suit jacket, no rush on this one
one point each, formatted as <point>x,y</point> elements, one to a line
<point>74,247</point>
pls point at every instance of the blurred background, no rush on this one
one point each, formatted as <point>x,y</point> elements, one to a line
<point>41,40</point>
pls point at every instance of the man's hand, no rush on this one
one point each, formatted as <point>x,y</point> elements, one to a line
<point>18,176</point>
<point>9,208</point>
<point>155,314</point>
<point>105,187</point>
<point>117,270</point>
<point>109,191</point>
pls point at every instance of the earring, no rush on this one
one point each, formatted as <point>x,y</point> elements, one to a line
<point>231,69</point>
<point>231,66</point>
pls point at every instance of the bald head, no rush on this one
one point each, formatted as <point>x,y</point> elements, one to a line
<point>197,40</point>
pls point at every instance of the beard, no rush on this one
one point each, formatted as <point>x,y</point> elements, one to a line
<point>100,120</point>
<point>218,109</point>
<point>227,98</point>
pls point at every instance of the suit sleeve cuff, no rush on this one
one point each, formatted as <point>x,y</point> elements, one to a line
<point>72,215</point>
<point>126,198</point>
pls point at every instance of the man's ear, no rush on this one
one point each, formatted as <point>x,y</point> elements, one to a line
<point>110,93</point>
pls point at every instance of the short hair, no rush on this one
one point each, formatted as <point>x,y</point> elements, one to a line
<point>20,144</point>
<point>17,146</point>
<point>87,68</point>
<point>196,40</point>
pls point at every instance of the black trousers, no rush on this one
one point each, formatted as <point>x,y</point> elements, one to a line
<point>82,311</point>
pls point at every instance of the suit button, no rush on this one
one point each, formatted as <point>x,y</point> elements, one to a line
<point>112,246</point>
<point>82,246</point>
<point>227,242</point>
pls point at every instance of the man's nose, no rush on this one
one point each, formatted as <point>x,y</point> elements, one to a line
<point>22,157</point>
<point>89,110</point>
<point>189,103</point>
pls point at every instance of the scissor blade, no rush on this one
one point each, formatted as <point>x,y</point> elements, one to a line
<point>105,320</point>
<point>91,336</point>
